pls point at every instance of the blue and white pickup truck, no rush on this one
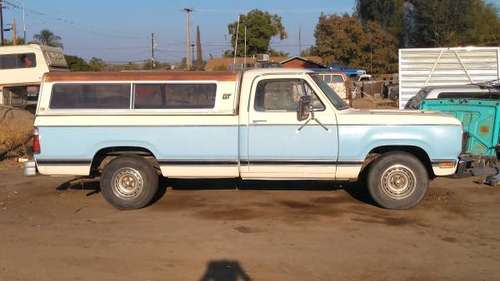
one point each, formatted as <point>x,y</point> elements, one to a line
<point>131,128</point>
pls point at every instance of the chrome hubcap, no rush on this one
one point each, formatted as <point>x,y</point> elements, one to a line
<point>127,183</point>
<point>398,182</point>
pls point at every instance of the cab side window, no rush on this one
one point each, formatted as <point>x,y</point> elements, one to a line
<point>283,95</point>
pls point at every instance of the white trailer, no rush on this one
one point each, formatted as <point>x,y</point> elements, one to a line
<point>419,68</point>
<point>21,71</point>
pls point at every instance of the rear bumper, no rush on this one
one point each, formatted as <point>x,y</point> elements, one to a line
<point>30,169</point>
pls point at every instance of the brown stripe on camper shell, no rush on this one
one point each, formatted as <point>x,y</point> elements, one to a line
<point>141,76</point>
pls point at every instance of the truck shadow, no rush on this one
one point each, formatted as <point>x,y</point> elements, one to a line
<point>225,270</point>
<point>356,190</point>
<point>80,183</point>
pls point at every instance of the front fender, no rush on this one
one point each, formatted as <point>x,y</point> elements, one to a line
<point>438,141</point>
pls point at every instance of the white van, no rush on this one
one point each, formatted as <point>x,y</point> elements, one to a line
<point>337,81</point>
<point>21,71</point>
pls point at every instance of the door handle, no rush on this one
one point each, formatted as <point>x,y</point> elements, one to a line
<point>259,121</point>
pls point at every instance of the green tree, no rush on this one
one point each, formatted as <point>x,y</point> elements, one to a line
<point>390,14</point>
<point>344,40</point>
<point>448,23</point>
<point>199,63</point>
<point>19,41</point>
<point>47,38</point>
<point>131,66</point>
<point>440,23</point>
<point>76,63</point>
<point>483,25</point>
<point>261,27</point>
<point>96,64</point>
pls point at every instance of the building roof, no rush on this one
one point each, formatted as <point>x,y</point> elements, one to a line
<point>310,59</point>
<point>141,76</point>
<point>215,63</point>
<point>277,70</point>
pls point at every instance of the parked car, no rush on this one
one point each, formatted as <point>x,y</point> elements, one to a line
<point>337,81</point>
<point>478,108</point>
<point>445,92</point>
<point>263,124</point>
<point>355,74</point>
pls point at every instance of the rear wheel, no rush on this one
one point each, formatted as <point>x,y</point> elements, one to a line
<point>397,180</point>
<point>129,182</point>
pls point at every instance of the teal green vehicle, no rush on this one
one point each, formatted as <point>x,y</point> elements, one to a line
<point>478,108</point>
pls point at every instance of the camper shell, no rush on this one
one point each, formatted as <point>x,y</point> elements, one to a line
<point>21,70</point>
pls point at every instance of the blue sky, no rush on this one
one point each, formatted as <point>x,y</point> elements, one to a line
<point>120,30</point>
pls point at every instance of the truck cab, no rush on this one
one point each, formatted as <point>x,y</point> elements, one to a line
<point>263,124</point>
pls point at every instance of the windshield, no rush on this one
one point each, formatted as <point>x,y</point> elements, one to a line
<point>329,92</point>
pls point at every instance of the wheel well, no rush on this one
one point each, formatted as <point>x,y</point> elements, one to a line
<point>105,155</point>
<point>414,150</point>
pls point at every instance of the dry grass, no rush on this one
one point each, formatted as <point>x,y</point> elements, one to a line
<point>15,128</point>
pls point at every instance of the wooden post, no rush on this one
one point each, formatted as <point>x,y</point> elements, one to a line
<point>14,33</point>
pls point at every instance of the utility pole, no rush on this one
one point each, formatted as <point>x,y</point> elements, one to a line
<point>153,61</point>
<point>199,52</point>
<point>1,24</point>
<point>14,32</point>
<point>20,5</point>
<point>300,40</point>
<point>236,43</point>
<point>245,55</point>
<point>24,25</point>
<point>192,55</point>
<point>189,62</point>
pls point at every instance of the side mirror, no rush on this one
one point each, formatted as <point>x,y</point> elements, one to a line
<point>304,108</point>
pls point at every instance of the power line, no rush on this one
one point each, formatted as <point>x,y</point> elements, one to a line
<point>89,29</point>
<point>108,48</point>
<point>244,11</point>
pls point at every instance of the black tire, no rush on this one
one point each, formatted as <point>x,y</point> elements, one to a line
<point>397,180</point>
<point>129,182</point>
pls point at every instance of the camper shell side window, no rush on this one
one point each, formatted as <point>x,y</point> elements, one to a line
<point>90,96</point>
<point>16,61</point>
<point>175,96</point>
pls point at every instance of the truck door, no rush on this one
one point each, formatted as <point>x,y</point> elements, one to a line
<point>280,146</point>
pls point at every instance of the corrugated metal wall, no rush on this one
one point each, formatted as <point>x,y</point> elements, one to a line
<point>445,66</point>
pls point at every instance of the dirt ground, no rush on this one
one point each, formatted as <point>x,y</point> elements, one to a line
<point>228,231</point>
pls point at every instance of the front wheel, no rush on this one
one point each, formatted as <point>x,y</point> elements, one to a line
<point>129,182</point>
<point>397,180</point>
